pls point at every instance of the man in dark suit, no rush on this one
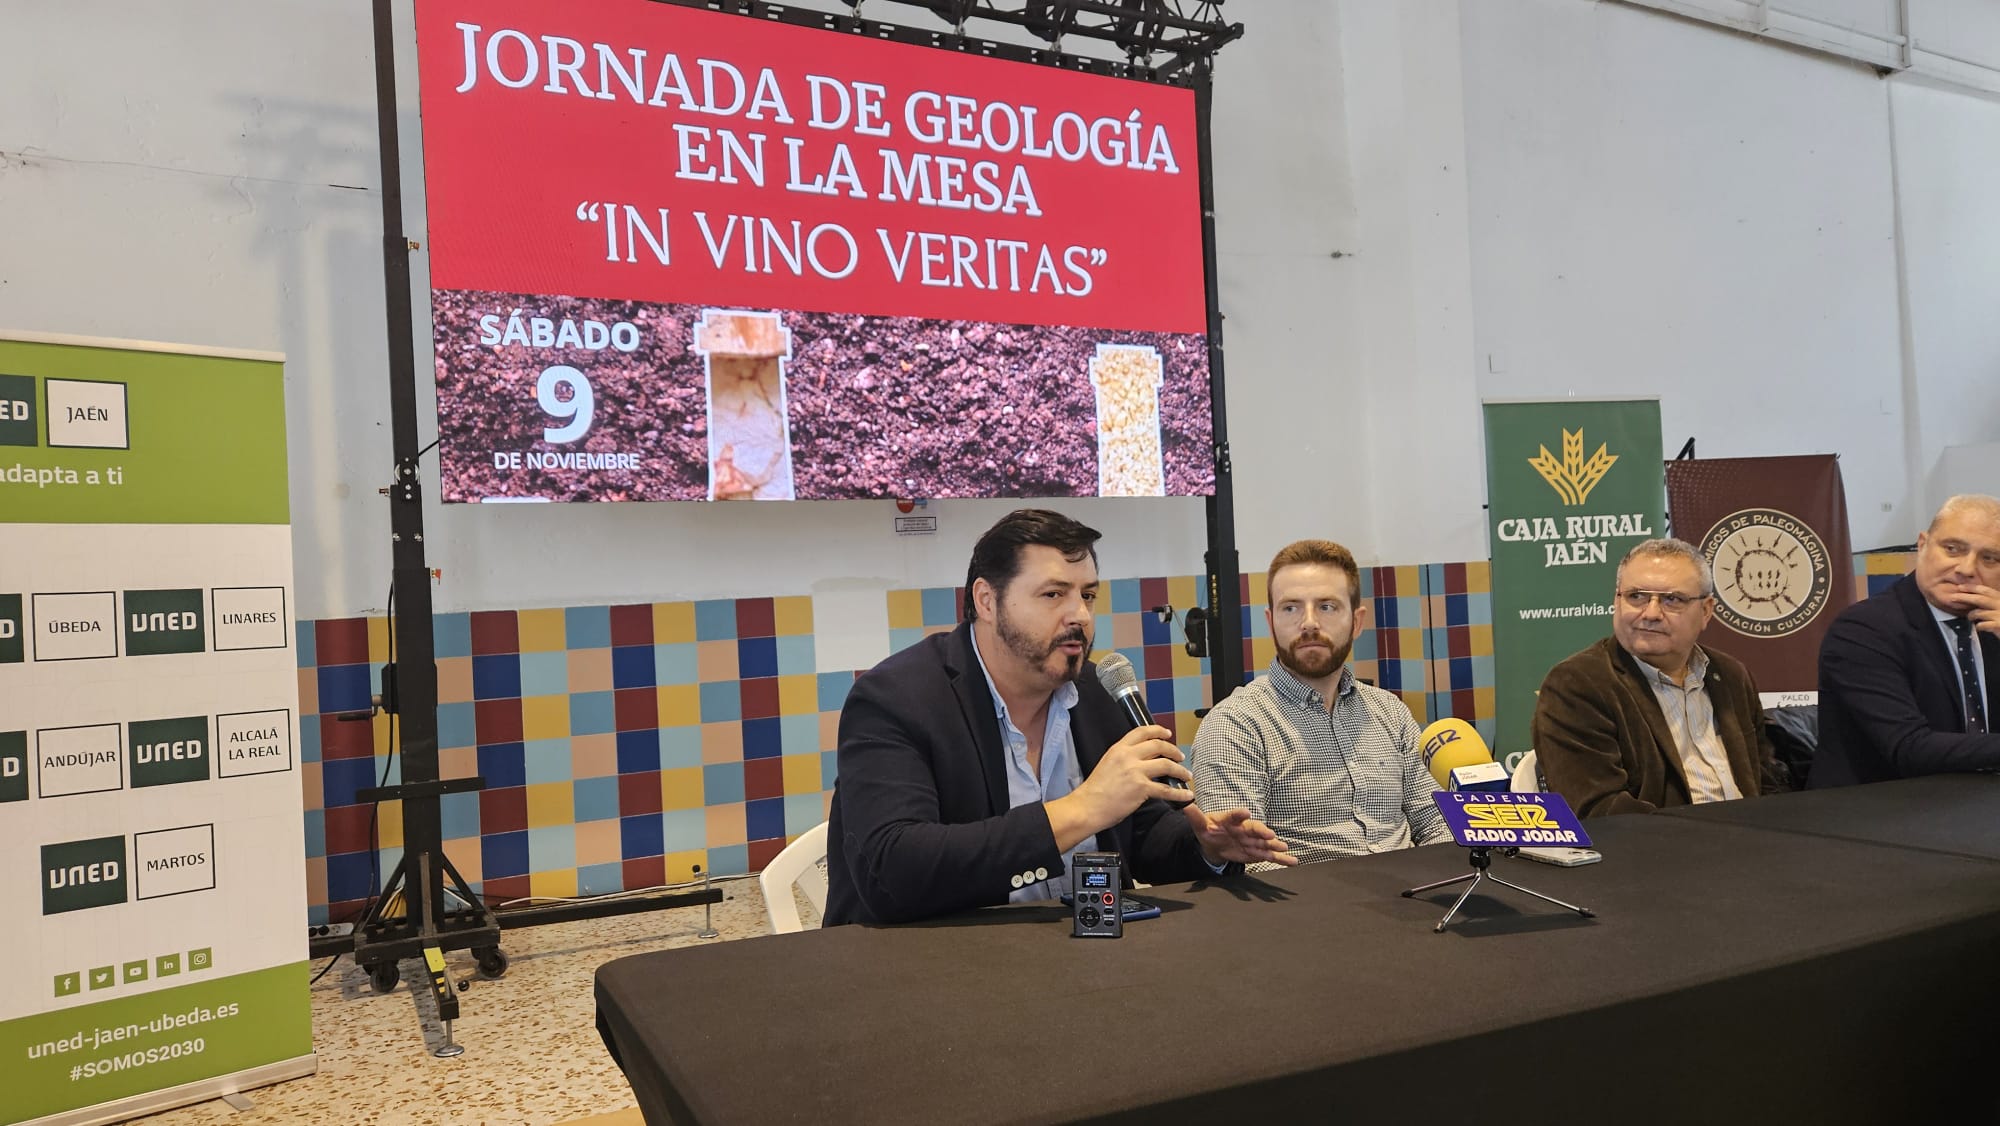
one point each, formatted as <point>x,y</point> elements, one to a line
<point>1907,678</point>
<point>1647,718</point>
<point>975,764</point>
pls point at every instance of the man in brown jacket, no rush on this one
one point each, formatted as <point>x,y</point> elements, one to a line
<point>1647,718</point>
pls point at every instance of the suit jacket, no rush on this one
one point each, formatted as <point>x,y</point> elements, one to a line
<point>1604,744</point>
<point>1889,703</point>
<point>920,824</point>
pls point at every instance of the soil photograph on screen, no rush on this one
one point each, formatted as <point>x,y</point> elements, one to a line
<point>896,406</point>
<point>813,406</point>
<point>491,427</point>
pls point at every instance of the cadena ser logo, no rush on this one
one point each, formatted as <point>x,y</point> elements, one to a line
<point>1572,477</point>
<point>164,621</point>
<point>77,875</point>
<point>1437,742</point>
<point>1772,572</point>
<point>1507,817</point>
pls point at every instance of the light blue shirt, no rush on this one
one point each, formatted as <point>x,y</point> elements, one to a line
<point>1061,773</point>
<point>1944,621</point>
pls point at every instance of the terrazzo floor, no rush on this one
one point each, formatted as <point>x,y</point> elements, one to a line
<point>532,1053</point>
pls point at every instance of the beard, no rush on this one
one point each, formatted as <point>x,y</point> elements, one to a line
<point>1037,653</point>
<point>1317,664</point>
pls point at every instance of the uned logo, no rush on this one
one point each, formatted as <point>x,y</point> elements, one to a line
<point>11,643</point>
<point>13,766</point>
<point>167,751</point>
<point>164,621</point>
<point>17,411</point>
<point>1573,477</point>
<point>78,875</point>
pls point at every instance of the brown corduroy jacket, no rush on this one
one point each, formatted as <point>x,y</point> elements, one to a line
<point>1604,745</point>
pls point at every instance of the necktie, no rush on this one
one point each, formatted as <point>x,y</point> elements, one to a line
<point>1968,673</point>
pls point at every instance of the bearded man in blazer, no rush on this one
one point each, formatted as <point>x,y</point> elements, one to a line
<point>974,765</point>
<point>1647,718</point>
<point>1907,679</point>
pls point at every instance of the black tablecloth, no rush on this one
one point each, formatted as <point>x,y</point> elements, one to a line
<point>1945,812</point>
<point>1733,973</point>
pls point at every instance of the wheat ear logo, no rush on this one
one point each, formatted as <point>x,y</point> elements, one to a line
<point>1572,478</point>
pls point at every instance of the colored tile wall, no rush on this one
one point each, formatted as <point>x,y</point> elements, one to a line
<point>1875,572</point>
<point>629,746</point>
<point>1430,639</point>
<point>622,746</point>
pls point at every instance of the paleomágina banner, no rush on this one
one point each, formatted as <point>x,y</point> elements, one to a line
<point>678,254</point>
<point>1775,531</point>
<point>1570,488</point>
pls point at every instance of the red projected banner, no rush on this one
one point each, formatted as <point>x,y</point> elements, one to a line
<point>677,254</point>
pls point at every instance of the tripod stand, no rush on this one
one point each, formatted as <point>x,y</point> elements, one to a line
<point>413,916</point>
<point>1482,859</point>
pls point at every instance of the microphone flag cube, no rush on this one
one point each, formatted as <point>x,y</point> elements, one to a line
<point>1483,776</point>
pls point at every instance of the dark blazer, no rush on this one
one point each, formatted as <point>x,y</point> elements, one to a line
<point>1604,745</point>
<point>1888,695</point>
<point>920,824</point>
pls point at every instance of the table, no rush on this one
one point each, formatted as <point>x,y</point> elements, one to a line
<point>1957,813</point>
<point>1733,973</point>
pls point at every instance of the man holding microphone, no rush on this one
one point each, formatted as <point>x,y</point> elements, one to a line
<point>974,764</point>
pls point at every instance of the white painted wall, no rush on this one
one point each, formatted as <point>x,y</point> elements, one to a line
<point>1420,441</point>
<point>1953,40</point>
<point>1662,208</point>
<point>204,173</point>
<point>1291,318</point>
<point>1596,199</point>
<point>1948,192</point>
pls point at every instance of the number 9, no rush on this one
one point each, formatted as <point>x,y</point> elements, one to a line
<point>576,413</point>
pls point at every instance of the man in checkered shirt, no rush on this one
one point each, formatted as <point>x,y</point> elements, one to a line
<point>1330,764</point>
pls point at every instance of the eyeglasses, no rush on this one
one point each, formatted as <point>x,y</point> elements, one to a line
<point>1673,602</point>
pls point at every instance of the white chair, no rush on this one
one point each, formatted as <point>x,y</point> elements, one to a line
<point>803,865</point>
<point>1527,780</point>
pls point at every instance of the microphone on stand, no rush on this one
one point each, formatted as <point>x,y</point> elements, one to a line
<point>1116,674</point>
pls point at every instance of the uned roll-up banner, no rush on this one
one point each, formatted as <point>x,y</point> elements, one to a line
<point>1775,531</point>
<point>1570,487</point>
<point>152,861</point>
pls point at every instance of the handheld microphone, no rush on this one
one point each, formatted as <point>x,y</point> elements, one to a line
<point>1458,759</point>
<point>1119,678</point>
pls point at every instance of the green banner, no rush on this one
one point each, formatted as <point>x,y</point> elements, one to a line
<point>106,435</point>
<point>1570,487</point>
<point>146,648</point>
<point>115,1049</point>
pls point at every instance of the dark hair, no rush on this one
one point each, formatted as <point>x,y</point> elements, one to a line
<point>997,556</point>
